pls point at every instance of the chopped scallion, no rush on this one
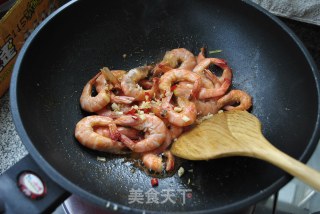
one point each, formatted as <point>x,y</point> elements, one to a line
<point>215,51</point>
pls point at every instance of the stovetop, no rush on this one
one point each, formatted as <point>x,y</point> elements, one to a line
<point>295,197</point>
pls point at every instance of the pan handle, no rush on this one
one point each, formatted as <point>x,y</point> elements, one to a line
<point>25,188</point>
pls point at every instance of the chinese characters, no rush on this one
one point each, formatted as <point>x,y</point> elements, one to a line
<point>152,196</point>
<point>7,52</point>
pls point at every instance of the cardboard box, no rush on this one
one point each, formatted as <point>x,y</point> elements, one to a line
<point>15,27</point>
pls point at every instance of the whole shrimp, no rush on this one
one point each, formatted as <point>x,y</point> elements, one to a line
<point>153,127</point>
<point>153,160</point>
<point>168,79</point>
<point>184,89</point>
<point>208,88</point>
<point>90,103</point>
<point>176,58</point>
<point>130,86</point>
<point>174,131</point>
<point>220,84</point>
<point>239,97</point>
<point>184,114</point>
<point>87,136</point>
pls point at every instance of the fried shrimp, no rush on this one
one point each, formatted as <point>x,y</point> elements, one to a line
<point>153,127</point>
<point>155,162</point>
<point>174,76</point>
<point>220,84</point>
<point>205,63</point>
<point>90,103</point>
<point>130,86</point>
<point>154,159</point>
<point>176,58</point>
<point>184,114</point>
<point>86,135</point>
<point>239,97</point>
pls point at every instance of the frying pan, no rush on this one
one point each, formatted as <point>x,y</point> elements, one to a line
<point>268,61</point>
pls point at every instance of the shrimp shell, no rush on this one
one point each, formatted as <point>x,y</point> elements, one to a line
<point>239,97</point>
<point>154,128</point>
<point>180,75</point>
<point>90,103</point>
<point>86,135</point>
<point>176,58</point>
<point>153,160</point>
<point>130,87</point>
<point>187,116</point>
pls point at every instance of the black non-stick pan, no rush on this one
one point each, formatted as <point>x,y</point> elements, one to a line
<point>268,61</point>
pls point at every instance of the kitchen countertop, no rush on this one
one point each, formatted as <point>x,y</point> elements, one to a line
<point>11,147</point>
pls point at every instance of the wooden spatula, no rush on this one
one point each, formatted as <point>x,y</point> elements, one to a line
<point>238,133</point>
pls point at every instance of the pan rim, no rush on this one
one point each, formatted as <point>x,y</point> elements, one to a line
<point>72,188</point>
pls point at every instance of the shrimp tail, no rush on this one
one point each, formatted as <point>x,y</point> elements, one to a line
<point>155,87</point>
<point>114,133</point>
<point>201,55</point>
<point>164,68</point>
<point>161,68</point>
<point>196,90</point>
<point>110,77</point>
<point>170,160</point>
<point>239,97</point>
<point>127,141</point>
<point>153,162</point>
<point>212,77</point>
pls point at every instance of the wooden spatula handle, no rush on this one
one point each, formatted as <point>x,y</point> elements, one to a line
<point>290,165</point>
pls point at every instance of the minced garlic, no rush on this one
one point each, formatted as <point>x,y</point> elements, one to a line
<point>138,86</point>
<point>115,107</point>
<point>201,119</point>
<point>142,116</point>
<point>156,102</point>
<point>177,109</point>
<point>180,171</point>
<point>145,105</point>
<point>135,107</point>
<point>103,159</point>
<point>185,118</point>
